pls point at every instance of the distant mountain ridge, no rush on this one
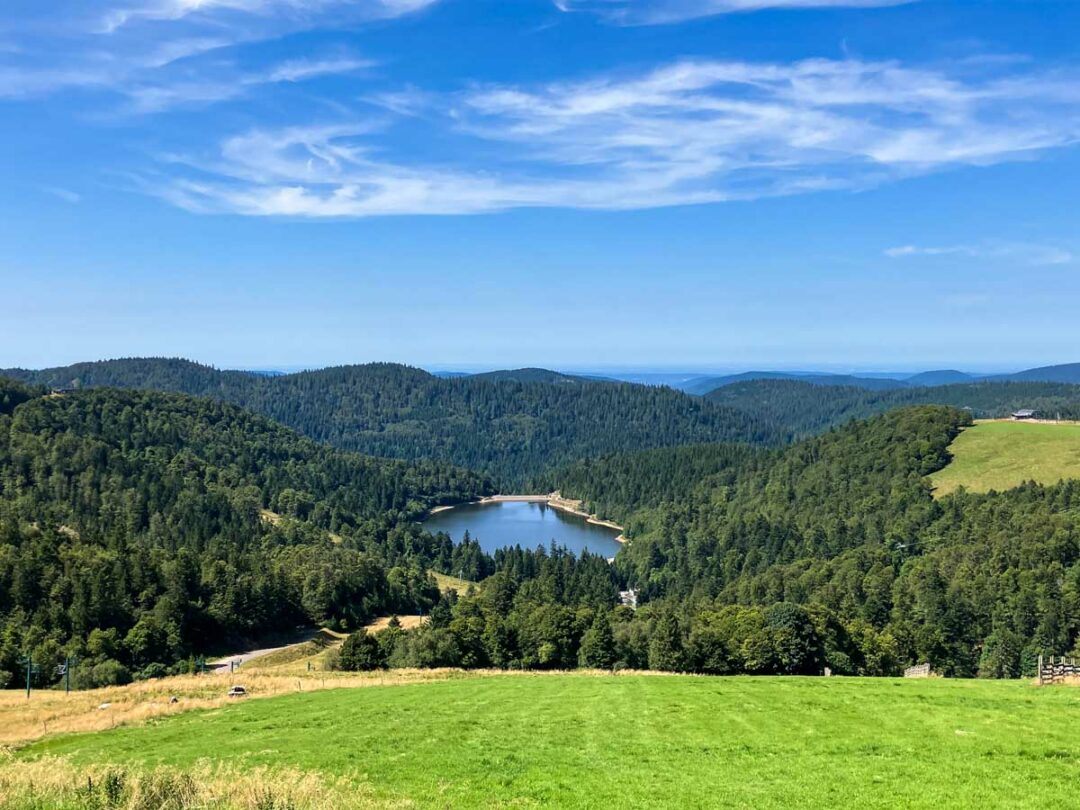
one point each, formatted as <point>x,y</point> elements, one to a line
<point>1066,373</point>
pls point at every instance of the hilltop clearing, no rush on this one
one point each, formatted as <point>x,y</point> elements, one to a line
<point>1002,455</point>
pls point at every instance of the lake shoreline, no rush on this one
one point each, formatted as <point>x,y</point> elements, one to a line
<point>555,500</point>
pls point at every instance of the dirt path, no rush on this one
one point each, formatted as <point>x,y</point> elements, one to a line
<point>221,666</point>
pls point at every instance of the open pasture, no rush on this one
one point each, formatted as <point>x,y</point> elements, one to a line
<point>581,740</point>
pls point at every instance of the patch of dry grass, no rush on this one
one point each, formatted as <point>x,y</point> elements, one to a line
<point>407,623</point>
<point>53,782</point>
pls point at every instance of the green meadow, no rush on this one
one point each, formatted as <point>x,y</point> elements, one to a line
<point>599,741</point>
<point>1003,455</point>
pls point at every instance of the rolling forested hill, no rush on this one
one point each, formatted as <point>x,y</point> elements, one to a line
<point>802,409</point>
<point>538,375</point>
<point>509,428</point>
<point>138,527</point>
<point>705,385</point>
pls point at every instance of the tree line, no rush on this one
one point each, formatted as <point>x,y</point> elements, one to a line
<point>560,613</point>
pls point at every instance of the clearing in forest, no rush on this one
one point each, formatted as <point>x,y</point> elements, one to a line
<point>1001,455</point>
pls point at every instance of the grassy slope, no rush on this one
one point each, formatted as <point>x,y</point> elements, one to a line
<point>639,741</point>
<point>1002,455</point>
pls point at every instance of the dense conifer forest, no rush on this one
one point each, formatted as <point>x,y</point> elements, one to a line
<point>138,528</point>
<point>509,427</point>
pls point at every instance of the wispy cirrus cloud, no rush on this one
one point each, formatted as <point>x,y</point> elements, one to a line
<point>1021,252</point>
<point>684,133</point>
<point>659,12</point>
<point>156,97</point>
<point>160,52</point>
<point>290,13</point>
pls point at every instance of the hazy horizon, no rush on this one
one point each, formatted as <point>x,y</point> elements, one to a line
<point>674,369</point>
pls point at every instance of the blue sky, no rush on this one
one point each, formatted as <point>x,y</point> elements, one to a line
<point>701,184</point>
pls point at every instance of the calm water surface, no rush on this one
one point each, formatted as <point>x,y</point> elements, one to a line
<point>513,523</point>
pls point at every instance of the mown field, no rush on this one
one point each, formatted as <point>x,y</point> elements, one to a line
<point>1002,455</point>
<point>594,741</point>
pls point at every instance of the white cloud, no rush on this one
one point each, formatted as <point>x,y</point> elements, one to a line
<point>658,12</point>
<point>298,70</point>
<point>1022,252</point>
<point>686,133</point>
<point>67,195</point>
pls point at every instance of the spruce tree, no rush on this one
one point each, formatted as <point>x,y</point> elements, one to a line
<point>598,644</point>
<point>666,647</point>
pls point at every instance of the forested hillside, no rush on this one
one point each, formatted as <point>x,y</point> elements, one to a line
<point>803,409</point>
<point>621,484</point>
<point>511,429</point>
<point>845,525</point>
<point>137,528</point>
